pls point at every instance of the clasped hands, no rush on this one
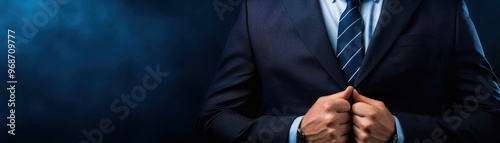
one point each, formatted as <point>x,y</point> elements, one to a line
<point>332,118</point>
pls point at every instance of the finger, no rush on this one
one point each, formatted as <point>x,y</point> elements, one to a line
<point>360,135</point>
<point>337,106</point>
<point>341,131</point>
<point>357,140</point>
<point>339,119</point>
<point>344,129</point>
<point>343,118</point>
<point>346,94</point>
<point>341,105</point>
<point>362,109</point>
<point>343,139</point>
<point>362,123</point>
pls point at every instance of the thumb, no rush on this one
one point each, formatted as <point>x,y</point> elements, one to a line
<point>360,98</point>
<point>346,94</point>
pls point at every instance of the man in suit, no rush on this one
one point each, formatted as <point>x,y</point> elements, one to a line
<point>349,70</point>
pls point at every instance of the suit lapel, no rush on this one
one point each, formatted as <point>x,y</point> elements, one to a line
<point>393,17</point>
<point>307,19</point>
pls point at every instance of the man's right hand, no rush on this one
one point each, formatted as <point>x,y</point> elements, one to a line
<point>329,119</point>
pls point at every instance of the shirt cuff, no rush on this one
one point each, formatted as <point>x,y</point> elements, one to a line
<point>399,130</point>
<point>292,136</point>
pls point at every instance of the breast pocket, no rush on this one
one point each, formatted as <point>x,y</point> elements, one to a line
<point>416,54</point>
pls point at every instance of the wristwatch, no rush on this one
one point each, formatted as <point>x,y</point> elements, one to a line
<point>394,138</point>
<point>301,137</point>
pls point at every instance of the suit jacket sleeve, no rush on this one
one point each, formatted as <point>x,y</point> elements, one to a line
<point>475,114</point>
<point>232,111</point>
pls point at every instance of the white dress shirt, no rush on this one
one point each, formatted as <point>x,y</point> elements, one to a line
<point>332,10</point>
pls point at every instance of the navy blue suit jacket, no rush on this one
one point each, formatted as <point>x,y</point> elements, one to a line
<point>425,62</point>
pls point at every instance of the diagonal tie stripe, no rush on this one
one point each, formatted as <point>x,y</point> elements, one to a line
<point>350,41</point>
<point>348,27</point>
<point>348,44</point>
<point>347,63</point>
<point>342,18</point>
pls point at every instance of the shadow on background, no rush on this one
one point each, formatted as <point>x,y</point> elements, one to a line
<point>80,66</point>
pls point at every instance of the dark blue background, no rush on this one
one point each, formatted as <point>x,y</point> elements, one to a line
<point>92,51</point>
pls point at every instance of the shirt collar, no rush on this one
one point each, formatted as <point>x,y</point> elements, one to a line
<point>361,0</point>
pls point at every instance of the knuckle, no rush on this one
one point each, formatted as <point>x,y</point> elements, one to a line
<point>329,118</point>
<point>328,106</point>
<point>371,114</point>
<point>325,123</point>
<point>363,137</point>
<point>366,126</point>
<point>331,132</point>
<point>328,121</point>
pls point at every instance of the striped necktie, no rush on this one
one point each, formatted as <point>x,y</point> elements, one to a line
<point>350,40</point>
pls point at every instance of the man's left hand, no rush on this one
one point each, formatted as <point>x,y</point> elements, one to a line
<point>372,120</point>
